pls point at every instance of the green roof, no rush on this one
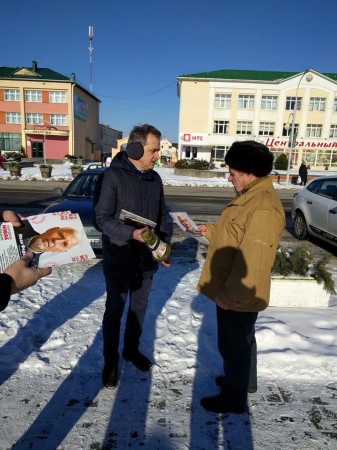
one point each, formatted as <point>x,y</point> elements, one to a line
<point>37,74</point>
<point>253,75</point>
<point>40,73</point>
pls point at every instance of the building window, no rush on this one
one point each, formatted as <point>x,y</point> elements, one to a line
<point>57,97</point>
<point>314,130</point>
<point>10,141</point>
<point>33,96</point>
<point>335,104</point>
<point>268,102</point>
<point>220,127</point>
<point>244,127</point>
<point>246,102</point>
<point>58,119</point>
<point>287,129</point>
<point>12,95</point>
<point>333,131</point>
<point>187,152</point>
<point>34,119</point>
<point>266,128</point>
<point>317,104</point>
<point>13,117</point>
<point>218,153</point>
<point>222,101</point>
<point>290,103</point>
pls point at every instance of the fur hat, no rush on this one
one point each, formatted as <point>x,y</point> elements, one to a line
<point>250,157</point>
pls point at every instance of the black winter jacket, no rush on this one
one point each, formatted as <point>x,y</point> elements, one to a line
<point>5,290</point>
<point>122,186</point>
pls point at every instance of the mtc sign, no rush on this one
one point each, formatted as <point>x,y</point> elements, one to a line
<point>194,138</point>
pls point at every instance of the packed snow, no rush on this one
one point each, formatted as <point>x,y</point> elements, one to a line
<point>51,396</point>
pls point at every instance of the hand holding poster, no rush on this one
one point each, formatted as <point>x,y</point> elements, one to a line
<point>54,238</point>
<point>185,223</point>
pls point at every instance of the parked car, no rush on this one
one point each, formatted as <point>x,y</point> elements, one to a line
<point>78,198</point>
<point>314,210</point>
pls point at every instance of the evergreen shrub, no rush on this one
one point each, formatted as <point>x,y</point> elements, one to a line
<point>196,164</point>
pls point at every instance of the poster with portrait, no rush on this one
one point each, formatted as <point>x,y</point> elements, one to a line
<point>53,238</point>
<point>186,224</point>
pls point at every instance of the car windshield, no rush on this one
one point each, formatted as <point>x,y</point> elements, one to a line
<point>83,185</point>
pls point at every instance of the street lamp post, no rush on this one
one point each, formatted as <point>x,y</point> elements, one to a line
<point>292,141</point>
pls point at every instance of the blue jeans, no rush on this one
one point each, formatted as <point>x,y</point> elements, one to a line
<point>118,288</point>
<point>236,340</point>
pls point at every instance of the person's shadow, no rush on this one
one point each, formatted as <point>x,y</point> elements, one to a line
<point>78,392</point>
<point>52,315</point>
<point>209,430</point>
<point>132,399</point>
<point>50,427</point>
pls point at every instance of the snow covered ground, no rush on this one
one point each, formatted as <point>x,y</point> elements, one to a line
<point>62,172</point>
<point>51,395</point>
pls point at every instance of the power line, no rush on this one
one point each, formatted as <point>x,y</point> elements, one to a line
<point>137,96</point>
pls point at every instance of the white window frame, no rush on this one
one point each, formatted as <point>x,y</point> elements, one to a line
<point>222,101</point>
<point>58,120</point>
<point>219,153</point>
<point>290,103</point>
<point>220,126</point>
<point>317,104</point>
<point>57,97</point>
<point>13,117</point>
<point>335,104</point>
<point>269,102</point>
<point>246,101</point>
<point>244,127</point>
<point>34,118</point>
<point>33,96</point>
<point>266,129</point>
<point>286,131</point>
<point>12,95</point>
<point>333,131</point>
<point>314,130</point>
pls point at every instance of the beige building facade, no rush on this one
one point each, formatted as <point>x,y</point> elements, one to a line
<point>221,107</point>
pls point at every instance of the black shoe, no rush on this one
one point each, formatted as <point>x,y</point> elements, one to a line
<point>110,374</point>
<point>139,360</point>
<point>217,404</point>
<point>220,381</point>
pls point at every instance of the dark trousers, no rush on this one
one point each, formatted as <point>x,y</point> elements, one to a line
<point>237,345</point>
<point>117,292</point>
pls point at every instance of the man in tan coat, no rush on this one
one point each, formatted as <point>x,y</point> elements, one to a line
<point>237,270</point>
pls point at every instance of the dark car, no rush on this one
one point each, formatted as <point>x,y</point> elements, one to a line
<point>78,198</point>
<point>314,210</point>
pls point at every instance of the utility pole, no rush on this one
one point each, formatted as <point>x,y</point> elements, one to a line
<point>90,48</point>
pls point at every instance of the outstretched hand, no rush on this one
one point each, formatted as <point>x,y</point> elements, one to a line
<point>24,276</point>
<point>12,217</point>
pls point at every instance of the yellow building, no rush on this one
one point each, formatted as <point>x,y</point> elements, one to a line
<point>220,107</point>
<point>46,115</point>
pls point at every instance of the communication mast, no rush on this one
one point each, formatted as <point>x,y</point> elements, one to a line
<point>91,35</point>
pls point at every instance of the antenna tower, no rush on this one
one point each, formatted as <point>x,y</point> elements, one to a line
<point>90,48</point>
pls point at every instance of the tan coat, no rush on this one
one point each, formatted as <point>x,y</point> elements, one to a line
<point>242,248</point>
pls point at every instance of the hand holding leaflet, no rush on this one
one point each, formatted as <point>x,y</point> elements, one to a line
<point>185,223</point>
<point>53,238</point>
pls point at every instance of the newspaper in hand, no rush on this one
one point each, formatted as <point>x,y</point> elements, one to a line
<point>53,238</point>
<point>185,223</point>
<point>135,220</point>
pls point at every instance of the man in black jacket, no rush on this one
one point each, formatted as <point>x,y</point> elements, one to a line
<point>130,183</point>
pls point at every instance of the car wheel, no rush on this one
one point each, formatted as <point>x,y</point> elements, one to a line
<point>300,226</point>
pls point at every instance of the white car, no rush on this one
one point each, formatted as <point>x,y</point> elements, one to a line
<point>314,210</point>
